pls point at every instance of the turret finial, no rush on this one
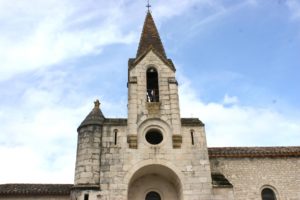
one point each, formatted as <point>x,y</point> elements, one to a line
<point>97,103</point>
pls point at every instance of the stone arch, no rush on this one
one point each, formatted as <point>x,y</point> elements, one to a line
<point>157,176</point>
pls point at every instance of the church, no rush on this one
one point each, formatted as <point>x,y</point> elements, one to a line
<point>154,154</point>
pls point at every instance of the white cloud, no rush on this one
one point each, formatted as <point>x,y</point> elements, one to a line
<point>39,146</point>
<point>238,125</point>
<point>22,164</point>
<point>37,34</point>
<point>230,99</point>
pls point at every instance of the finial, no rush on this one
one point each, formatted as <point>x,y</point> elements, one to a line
<point>148,6</point>
<point>97,103</point>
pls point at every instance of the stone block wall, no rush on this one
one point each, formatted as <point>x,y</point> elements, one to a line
<point>87,171</point>
<point>250,175</point>
<point>186,168</point>
<point>220,193</point>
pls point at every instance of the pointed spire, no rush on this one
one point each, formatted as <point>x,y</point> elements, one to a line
<point>150,38</point>
<point>95,117</point>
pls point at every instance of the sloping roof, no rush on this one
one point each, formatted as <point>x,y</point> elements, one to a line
<point>150,37</point>
<point>255,152</point>
<point>191,122</point>
<point>35,189</point>
<point>95,117</point>
<point>219,180</point>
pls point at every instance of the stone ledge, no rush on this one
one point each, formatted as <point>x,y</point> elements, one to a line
<point>177,141</point>
<point>86,187</point>
<point>132,141</point>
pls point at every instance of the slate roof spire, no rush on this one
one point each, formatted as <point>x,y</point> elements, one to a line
<point>150,38</point>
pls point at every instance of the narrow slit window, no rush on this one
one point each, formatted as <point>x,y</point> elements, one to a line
<point>192,137</point>
<point>116,136</point>
<point>86,196</point>
<point>152,85</point>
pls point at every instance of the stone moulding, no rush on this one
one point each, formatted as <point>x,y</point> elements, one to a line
<point>133,79</point>
<point>177,141</point>
<point>132,141</point>
<point>86,187</point>
<point>172,80</point>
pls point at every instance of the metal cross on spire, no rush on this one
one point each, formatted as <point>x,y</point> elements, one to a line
<point>148,5</point>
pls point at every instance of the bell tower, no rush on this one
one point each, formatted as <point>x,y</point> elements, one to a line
<point>152,86</point>
<point>154,153</point>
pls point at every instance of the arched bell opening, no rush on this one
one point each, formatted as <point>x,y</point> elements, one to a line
<point>152,85</point>
<point>154,182</point>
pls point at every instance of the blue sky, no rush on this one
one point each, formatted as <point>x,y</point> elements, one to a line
<point>237,66</point>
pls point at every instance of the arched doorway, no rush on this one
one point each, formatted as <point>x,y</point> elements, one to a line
<point>154,182</point>
<point>153,196</point>
<point>268,194</point>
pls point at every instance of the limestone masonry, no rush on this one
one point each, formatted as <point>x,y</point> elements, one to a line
<point>155,154</point>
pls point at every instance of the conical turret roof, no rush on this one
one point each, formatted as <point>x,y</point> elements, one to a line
<point>95,117</point>
<point>150,38</point>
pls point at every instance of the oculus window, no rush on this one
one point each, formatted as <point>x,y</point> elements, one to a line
<point>154,136</point>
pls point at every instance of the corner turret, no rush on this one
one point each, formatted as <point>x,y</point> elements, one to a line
<point>87,171</point>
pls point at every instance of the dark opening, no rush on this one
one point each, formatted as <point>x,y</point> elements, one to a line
<point>192,136</point>
<point>86,196</point>
<point>154,137</point>
<point>268,194</point>
<point>152,85</point>
<point>153,196</point>
<point>116,136</point>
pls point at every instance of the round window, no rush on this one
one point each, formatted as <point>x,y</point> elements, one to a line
<point>154,136</point>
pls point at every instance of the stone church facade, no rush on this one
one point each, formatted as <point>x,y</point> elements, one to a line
<point>155,154</point>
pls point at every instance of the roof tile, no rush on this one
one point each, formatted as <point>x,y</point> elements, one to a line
<point>150,38</point>
<point>256,152</point>
<point>35,189</point>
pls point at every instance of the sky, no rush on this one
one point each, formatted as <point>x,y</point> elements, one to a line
<point>237,67</point>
